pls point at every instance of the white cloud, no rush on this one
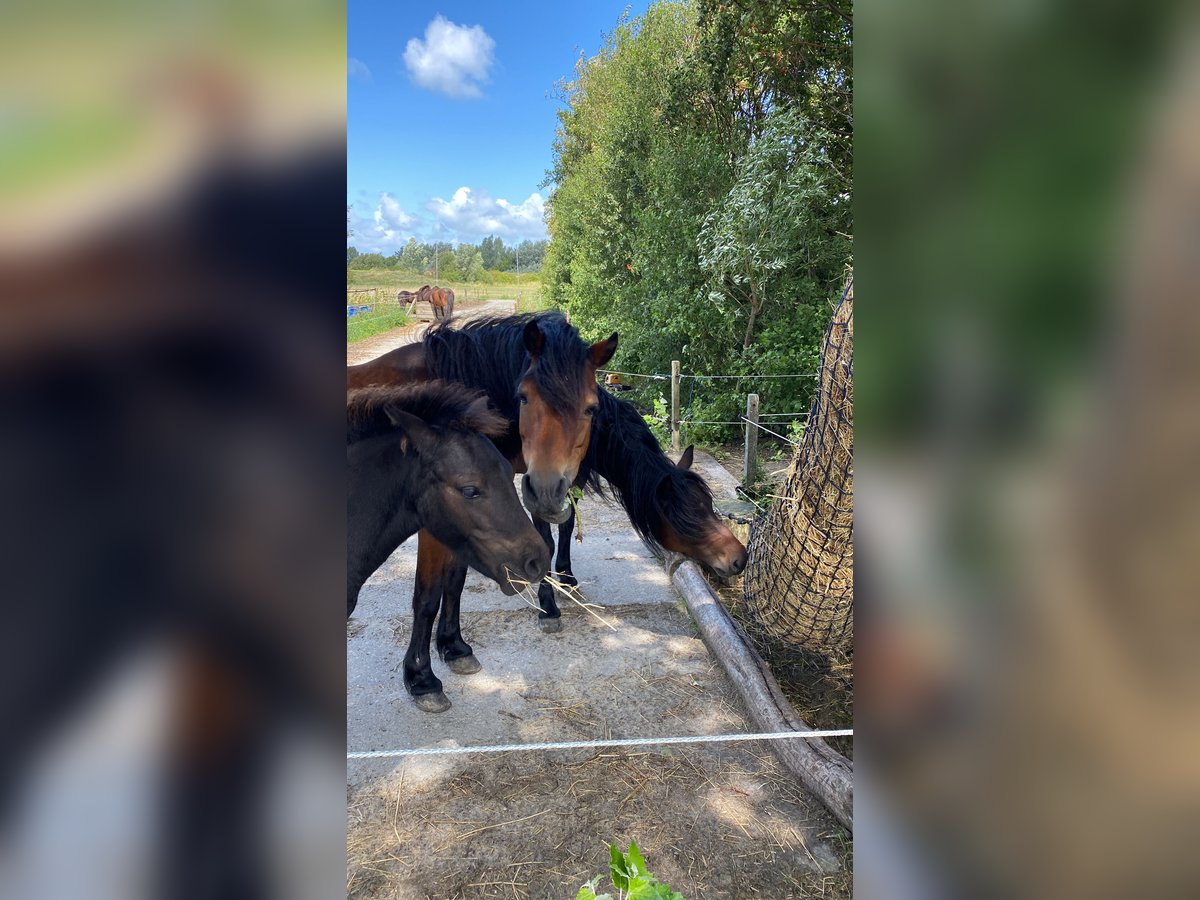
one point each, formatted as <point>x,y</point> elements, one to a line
<point>389,215</point>
<point>473,215</point>
<point>468,216</point>
<point>356,68</point>
<point>453,59</point>
<point>384,230</point>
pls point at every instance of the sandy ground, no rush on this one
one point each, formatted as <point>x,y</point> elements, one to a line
<point>379,344</point>
<point>715,821</point>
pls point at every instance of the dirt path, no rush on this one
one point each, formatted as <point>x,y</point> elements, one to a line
<point>715,821</point>
<point>379,344</point>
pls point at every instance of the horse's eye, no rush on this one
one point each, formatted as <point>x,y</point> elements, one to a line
<point>470,492</point>
<point>523,399</point>
<point>592,410</point>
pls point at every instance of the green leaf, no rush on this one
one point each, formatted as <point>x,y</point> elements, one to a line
<point>618,868</point>
<point>588,891</point>
<point>655,890</point>
<point>637,862</point>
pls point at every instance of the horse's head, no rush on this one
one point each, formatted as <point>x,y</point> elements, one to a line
<point>688,524</point>
<point>466,498</point>
<point>558,397</point>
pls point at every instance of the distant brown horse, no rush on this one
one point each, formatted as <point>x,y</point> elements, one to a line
<point>441,299</point>
<point>412,296</point>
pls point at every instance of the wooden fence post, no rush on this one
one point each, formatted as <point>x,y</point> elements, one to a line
<point>674,406</point>
<point>750,463</point>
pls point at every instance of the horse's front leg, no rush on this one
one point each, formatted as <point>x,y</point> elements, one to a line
<point>425,687</point>
<point>550,617</point>
<point>562,563</point>
<point>454,651</point>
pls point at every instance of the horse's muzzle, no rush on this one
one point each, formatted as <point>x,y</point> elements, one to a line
<point>549,505</point>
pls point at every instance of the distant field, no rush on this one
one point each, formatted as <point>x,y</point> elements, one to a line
<point>527,292</point>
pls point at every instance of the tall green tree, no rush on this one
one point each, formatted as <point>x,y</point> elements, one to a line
<point>495,255</point>
<point>786,199</point>
<point>702,190</point>
<point>413,255</point>
<point>469,261</point>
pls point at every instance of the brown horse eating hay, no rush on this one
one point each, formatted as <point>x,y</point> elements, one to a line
<point>440,300</point>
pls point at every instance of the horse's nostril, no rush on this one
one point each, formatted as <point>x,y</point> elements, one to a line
<point>560,489</point>
<point>535,568</point>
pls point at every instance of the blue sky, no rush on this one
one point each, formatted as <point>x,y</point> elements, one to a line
<point>450,114</point>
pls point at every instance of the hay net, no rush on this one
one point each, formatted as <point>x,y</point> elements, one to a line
<point>799,583</point>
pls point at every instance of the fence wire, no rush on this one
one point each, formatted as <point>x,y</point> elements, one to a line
<point>799,583</point>
<point>601,744</point>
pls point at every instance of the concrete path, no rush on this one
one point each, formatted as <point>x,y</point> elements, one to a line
<point>377,345</point>
<point>642,671</point>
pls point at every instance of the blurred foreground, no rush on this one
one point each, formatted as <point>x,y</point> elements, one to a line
<point>171,673</point>
<point>1029,426</point>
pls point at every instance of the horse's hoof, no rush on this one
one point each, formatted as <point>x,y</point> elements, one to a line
<point>550,626</point>
<point>566,578</point>
<point>432,703</point>
<point>464,665</point>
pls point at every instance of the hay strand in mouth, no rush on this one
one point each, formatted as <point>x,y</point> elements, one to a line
<point>571,593</point>
<point>574,495</point>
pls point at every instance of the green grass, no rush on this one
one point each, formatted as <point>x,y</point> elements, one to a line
<point>380,319</point>
<point>526,290</point>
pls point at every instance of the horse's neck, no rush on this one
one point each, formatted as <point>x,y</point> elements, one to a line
<point>383,508</point>
<point>621,462</point>
<point>625,452</point>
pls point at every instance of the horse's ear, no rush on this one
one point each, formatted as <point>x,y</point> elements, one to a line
<point>416,430</point>
<point>685,461</point>
<point>477,410</point>
<point>602,351</point>
<point>534,339</point>
<point>479,416</point>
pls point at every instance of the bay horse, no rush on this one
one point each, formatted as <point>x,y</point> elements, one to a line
<point>540,375</point>
<point>419,457</point>
<point>670,506</point>
<point>441,299</point>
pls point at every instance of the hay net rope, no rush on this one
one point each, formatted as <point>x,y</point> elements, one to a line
<point>799,583</point>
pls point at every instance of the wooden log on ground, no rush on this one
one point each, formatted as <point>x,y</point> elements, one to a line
<point>822,770</point>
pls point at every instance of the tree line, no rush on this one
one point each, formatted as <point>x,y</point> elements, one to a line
<point>455,262</point>
<point>702,185</point>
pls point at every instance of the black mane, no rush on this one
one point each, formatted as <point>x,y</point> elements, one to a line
<point>625,452</point>
<point>489,353</point>
<point>438,403</point>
